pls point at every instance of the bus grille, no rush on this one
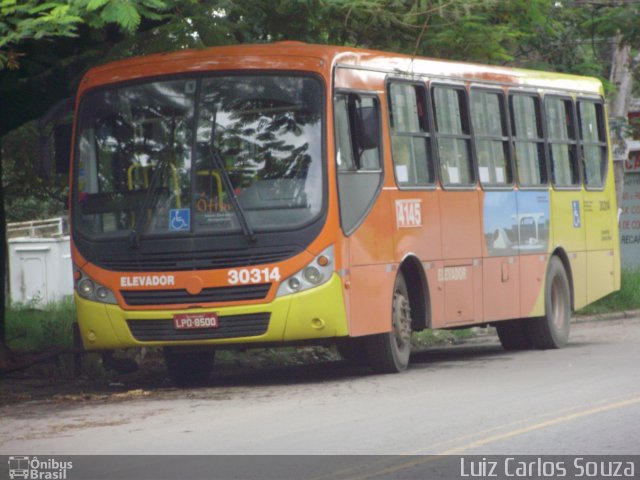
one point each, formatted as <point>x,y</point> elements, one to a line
<point>164,262</point>
<point>207,295</point>
<point>246,325</point>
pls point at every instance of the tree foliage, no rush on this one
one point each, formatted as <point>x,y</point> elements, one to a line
<point>31,19</point>
<point>44,48</point>
<point>27,195</point>
<point>36,20</point>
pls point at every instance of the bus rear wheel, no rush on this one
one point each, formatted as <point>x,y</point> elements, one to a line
<point>389,352</point>
<point>552,330</point>
<point>513,334</point>
<point>188,368</point>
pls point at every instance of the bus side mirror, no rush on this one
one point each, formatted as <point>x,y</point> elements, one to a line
<point>54,138</point>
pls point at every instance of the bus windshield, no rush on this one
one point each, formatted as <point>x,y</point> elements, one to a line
<point>209,155</point>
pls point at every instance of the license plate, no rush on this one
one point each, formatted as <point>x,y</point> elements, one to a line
<point>186,321</point>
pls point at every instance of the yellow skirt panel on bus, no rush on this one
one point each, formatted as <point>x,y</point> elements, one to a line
<point>578,262</point>
<point>601,268</point>
<point>532,278</point>
<point>105,327</point>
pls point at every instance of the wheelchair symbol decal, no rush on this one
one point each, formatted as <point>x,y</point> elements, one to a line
<point>179,220</point>
<point>576,214</point>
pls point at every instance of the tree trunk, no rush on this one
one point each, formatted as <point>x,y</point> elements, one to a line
<point>4,351</point>
<point>621,76</point>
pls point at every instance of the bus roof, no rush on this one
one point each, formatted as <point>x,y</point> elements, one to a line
<point>287,55</point>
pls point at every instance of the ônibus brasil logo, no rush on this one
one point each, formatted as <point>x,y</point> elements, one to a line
<point>35,469</point>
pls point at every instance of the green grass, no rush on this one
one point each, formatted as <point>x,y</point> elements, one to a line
<point>627,298</point>
<point>431,338</point>
<point>31,329</point>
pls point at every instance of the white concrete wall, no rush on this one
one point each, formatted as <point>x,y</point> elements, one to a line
<point>40,269</point>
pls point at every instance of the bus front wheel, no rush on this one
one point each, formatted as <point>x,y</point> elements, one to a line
<point>353,350</point>
<point>552,330</point>
<point>188,368</point>
<point>513,334</point>
<point>389,352</point>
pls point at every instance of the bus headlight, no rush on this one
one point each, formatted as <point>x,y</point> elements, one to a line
<point>86,287</point>
<point>317,272</point>
<point>294,284</point>
<point>91,290</point>
<point>102,293</point>
<point>312,275</point>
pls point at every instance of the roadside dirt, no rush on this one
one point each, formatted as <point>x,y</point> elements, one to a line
<point>52,382</point>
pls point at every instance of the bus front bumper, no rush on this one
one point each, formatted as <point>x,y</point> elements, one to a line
<point>317,313</point>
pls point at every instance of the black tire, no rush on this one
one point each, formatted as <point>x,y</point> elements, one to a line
<point>389,352</point>
<point>353,350</point>
<point>121,365</point>
<point>513,334</point>
<point>188,368</point>
<point>552,330</point>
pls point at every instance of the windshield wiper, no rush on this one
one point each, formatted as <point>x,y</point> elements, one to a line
<point>149,201</point>
<point>242,216</point>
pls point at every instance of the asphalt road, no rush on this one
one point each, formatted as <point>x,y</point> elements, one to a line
<point>461,400</point>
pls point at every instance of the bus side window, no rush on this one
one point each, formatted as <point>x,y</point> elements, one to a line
<point>491,137</point>
<point>357,120</point>
<point>594,143</point>
<point>562,140</point>
<point>410,136</point>
<point>344,147</point>
<point>453,138</point>
<point>526,127</point>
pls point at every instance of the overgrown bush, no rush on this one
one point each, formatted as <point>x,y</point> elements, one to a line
<point>627,298</point>
<point>31,328</point>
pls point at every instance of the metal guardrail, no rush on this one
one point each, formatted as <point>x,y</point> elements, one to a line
<point>51,227</point>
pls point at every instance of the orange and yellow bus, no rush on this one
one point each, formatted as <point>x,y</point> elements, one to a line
<point>261,195</point>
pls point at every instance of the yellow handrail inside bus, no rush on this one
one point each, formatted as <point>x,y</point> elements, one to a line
<point>132,169</point>
<point>145,180</point>
<point>176,184</point>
